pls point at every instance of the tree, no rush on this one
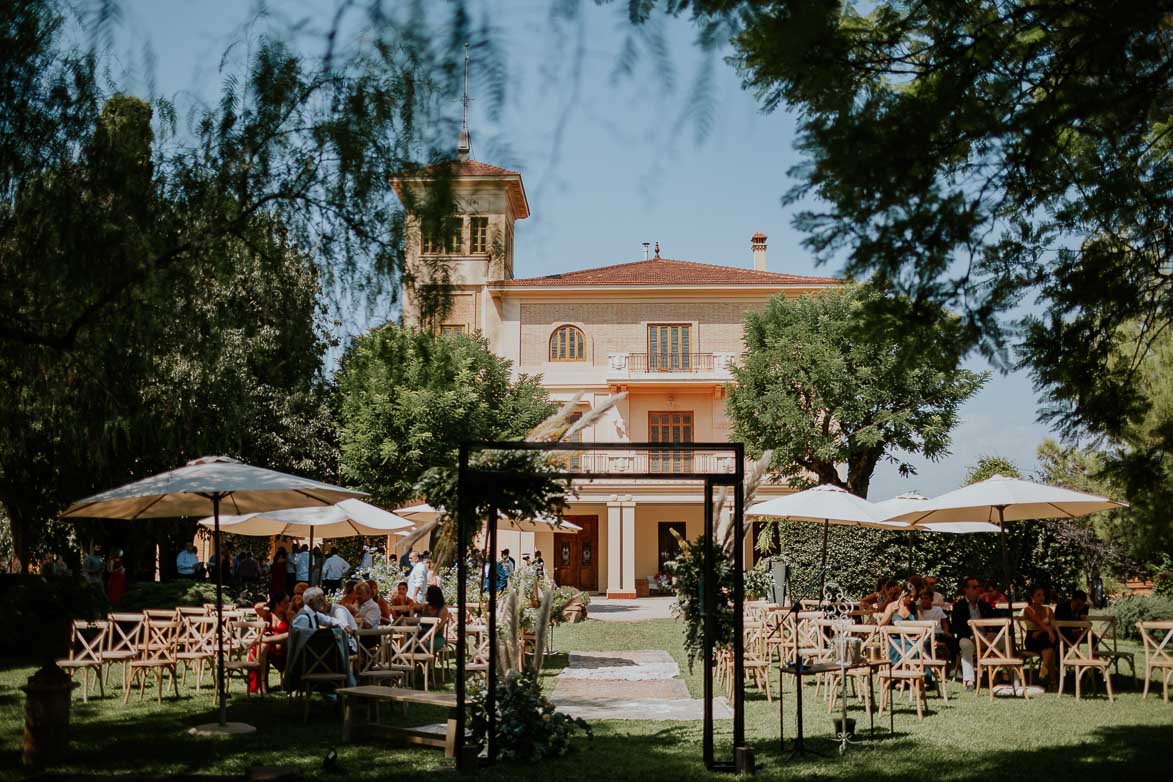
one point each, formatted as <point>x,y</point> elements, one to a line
<point>405,402</point>
<point>979,154</point>
<point>221,354</point>
<point>988,466</point>
<point>821,392</point>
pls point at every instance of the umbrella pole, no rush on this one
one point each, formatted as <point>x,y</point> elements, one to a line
<point>311,556</point>
<point>823,570</point>
<point>219,611</point>
<point>909,533</point>
<point>1006,576</point>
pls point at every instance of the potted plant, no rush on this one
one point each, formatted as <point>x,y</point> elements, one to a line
<point>45,606</point>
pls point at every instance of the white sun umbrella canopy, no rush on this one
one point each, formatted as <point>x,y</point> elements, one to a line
<point>912,501</point>
<point>423,512</point>
<point>205,486</point>
<point>829,505</point>
<point>345,519</point>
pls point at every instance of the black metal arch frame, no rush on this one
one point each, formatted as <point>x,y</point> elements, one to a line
<point>488,482</point>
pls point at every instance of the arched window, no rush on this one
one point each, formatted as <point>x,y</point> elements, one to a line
<point>567,344</point>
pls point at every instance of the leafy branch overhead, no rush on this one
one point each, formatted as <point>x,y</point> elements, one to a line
<point>822,390</point>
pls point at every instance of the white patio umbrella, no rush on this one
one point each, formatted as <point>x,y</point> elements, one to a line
<point>201,487</point>
<point>345,519</point>
<point>1004,499</point>
<point>912,501</point>
<point>827,504</point>
<point>423,512</point>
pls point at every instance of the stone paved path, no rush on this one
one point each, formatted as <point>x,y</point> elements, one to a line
<point>621,610</point>
<point>640,685</point>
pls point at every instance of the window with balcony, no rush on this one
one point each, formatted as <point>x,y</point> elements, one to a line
<point>567,343</point>
<point>669,347</point>
<point>671,427</point>
<point>478,235</point>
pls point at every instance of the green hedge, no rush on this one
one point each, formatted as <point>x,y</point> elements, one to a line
<point>856,557</point>
<point>1139,608</point>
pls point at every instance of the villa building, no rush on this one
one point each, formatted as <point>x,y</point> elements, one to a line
<point>664,331</point>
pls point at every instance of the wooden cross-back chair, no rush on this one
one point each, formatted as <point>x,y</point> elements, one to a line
<point>908,645</point>
<point>869,637</point>
<point>244,642</point>
<point>755,658</point>
<point>158,641</point>
<point>122,642</point>
<point>321,667</point>
<point>409,652</point>
<point>86,642</point>
<point>1077,652</point>
<point>992,652</point>
<point>476,649</point>
<point>1157,638</point>
<point>1107,646</point>
<point>192,611</point>
<point>197,645</point>
<point>1032,662</point>
<point>440,657</point>
<point>161,614</point>
<point>372,660</point>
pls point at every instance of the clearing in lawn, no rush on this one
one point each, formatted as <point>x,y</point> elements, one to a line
<point>1049,737</point>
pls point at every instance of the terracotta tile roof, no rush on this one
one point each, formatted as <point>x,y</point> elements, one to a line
<point>664,271</point>
<point>469,168</point>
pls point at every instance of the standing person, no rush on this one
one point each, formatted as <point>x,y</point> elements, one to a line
<point>279,576</point>
<point>970,606</point>
<point>186,561</point>
<point>433,576</point>
<point>116,578</point>
<point>248,570</point>
<point>367,562</point>
<point>94,566</point>
<point>334,569</point>
<point>539,566</point>
<point>316,566</point>
<point>405,560</point>
<point>417,580</point>
<point>301,564</point>
<point>291,566</point>
<point>511,563</point>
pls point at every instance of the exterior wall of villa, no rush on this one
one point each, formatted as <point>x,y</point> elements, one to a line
<point>614,312</point>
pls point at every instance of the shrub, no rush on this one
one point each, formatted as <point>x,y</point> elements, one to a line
<point>43,607</point>
<point>528,727</point>
<point>688,571</point>
<point>1139,608</point>
<point>758,580</point>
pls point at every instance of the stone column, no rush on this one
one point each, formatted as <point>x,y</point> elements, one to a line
<point>621,548</point>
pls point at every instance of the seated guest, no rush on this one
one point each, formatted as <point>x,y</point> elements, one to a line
<point>929,611</point>
<point>902,609</point>
<point>931,586</point>
<point>1073,610</point>
<point>384,608</point>
<point>992,595</point>
<point>1041,637</point>
<point>313,612</point>
<point>367,609</point>
<point>300,587</point>
<point>401,604</point>
<point>879,600</point>
<point>970,606</point>
<point>349,599</point>
<point>276,616</point>
<point>434,606</point>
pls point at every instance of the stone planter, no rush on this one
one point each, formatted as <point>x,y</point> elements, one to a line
<point>46,716</point>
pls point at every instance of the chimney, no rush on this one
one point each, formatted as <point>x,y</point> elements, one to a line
<point>647,247</point>
<point>758,243</point>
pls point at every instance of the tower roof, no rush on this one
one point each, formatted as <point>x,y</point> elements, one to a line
<point>469,170</point>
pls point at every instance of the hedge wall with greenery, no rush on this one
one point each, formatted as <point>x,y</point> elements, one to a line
<point>856,558</point>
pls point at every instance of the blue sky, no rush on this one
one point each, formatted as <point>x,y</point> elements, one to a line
<point>608,164</point>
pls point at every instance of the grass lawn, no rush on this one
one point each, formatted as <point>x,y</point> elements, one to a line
<point>1050,737</point>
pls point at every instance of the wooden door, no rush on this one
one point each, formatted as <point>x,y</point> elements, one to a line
<point>576,555</point>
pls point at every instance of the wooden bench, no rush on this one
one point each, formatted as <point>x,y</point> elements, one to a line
<point>358,716</point>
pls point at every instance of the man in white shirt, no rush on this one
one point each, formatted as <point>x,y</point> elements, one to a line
<point>185,563</point>
<point>334,569</point>
<point>368,609</point>
<point>931,586</point>
<point>417,582</point>
<point>301,563</point>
